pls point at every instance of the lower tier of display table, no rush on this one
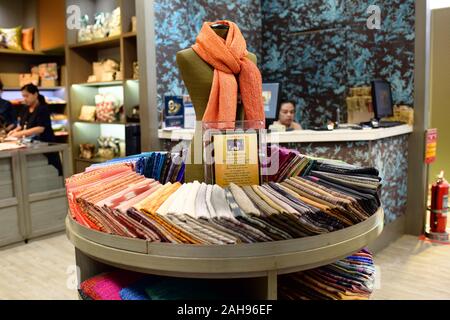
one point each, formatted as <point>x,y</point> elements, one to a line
<point>263,261</point>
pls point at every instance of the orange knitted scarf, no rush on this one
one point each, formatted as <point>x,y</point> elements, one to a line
<point>229,59</point>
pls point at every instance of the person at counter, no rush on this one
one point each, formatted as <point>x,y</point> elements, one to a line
<point>7,115</point>
<point>35,118</point>
<point>35,122</point>
<point>286,116</point>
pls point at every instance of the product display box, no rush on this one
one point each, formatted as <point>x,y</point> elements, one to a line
<point>234,152</point>
<point>173,112</point>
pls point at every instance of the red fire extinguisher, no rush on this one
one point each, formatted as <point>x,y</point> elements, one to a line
<point>439,205</point>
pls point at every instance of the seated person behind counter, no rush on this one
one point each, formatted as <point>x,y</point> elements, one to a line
<point>286,117</point>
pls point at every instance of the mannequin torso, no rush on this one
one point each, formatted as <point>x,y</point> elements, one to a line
<point>198,77</point>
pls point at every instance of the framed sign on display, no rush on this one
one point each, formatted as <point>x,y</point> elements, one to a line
<point>173,111</point>
<point>233,155</point>
<point>236,159</point>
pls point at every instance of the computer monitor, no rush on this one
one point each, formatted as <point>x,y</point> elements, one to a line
<point>271,98</point>
<point>382,99</point>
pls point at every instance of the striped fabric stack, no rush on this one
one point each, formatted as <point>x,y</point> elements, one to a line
<point>125,285</point>
<point>325,196</point>
<point>161,166</point>
<point>348,279</point>
<point>352,278</point>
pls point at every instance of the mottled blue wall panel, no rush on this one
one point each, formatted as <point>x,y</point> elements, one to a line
<point>246,13</point>
<point>390,156</point>
<point>302,33</point>
<point>318,76</point>
<point>318,14</point>
<point>360,64</point>
<point>356,152</point>
<point>172,34</point>
<point>178,23</point>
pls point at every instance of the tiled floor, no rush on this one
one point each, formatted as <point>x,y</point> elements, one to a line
<point>408,269</point>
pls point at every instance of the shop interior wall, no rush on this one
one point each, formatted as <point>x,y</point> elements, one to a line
<point>51,23</point>
<point>177,23</point>
<point>318,49</point>
<point>439,89</point>
<point>19,13</point>
<point>11,13</point>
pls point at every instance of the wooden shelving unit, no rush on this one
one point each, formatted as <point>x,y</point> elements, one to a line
<point>28,13</point>
<point>21,52</point>
<point>100,84</point>
<point>80,56</point>
<point>99,122</point>
<point>40,88</point>
<point>94,160</point>
<point>109,42</point>
<point>61,133</point>
<point>56,51</point>
<point>129,34</point>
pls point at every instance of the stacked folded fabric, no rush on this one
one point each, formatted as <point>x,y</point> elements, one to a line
<point>125,285</point>
<point>348,279</point>
<point>161,166</point>
<point>108,286</point>
<point>290,163</point>
<point>352,278</point>
<point>326,196</point>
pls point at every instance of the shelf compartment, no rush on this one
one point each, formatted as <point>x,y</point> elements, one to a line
<point>21,52</point>
<point>100,84</point>
<point>40,88</point>
<point>109,42</point>
<point>93,160</point>
<point>99,122</point>
<point>61,133</point>
<point>129,34</point>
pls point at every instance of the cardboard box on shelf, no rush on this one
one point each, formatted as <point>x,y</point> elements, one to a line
<point>359,105</point>
<point>26,78</point>
<point>92,78</point>
<point>49,83</point>
<point>402,113</point>
<point>10,79</point>
<point>108,76</point>
<point>48,71</point>
<point>97,70</point>
<point>102,70</point>
<point>119,75</point>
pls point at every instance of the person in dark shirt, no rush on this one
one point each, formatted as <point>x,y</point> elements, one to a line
<point>35,118</point>
<point>35,122</point>
<point>7,115</point>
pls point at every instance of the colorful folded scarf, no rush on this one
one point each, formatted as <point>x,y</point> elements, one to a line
<point>107,286</point>
<point>136,291</point>
<point>229,59</point>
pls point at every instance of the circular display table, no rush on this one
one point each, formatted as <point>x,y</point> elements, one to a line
<point>264,260</point>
